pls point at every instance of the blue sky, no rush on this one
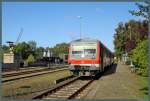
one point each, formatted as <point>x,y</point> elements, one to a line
<point>56,22</point>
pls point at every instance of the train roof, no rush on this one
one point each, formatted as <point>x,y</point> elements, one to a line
<point>85,40</point>
<point>89,40</point>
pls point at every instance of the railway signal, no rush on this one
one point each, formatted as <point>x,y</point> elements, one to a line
<point>11,57</point>
<point>11,43</point>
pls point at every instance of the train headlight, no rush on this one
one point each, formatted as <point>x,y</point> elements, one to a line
<point>93,57</point>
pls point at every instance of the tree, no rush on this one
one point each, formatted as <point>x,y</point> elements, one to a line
<point>25,49</point>
<point>143,9</point>
<point>119,40</point>
<point>32,45</point>
<point>128,35</point>
<point>39,52</point>
<point>5,49</point>
<point>30,59</point>
<point>61,48</point>
<point>140,56</point>
<point>1,55</point>
<point>22,48</point>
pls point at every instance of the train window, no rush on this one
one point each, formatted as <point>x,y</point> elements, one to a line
<point>77,52</point>
<point>89,51</point>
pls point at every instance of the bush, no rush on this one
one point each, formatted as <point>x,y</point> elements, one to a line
<point>140,56</point>
<point>30,59</point>
<point>128,62</point>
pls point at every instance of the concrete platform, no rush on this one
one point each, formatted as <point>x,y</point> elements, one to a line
<point>116,83</point>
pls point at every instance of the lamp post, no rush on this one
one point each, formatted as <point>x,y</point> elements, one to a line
<point>79,17</point>
<point>130,31</point>
<point>123,46</point>
<point>131,64</point>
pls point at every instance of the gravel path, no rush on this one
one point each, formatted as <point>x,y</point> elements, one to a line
<point>116,83</point>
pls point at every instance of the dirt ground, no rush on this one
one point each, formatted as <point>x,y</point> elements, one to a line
<point>116,83</point>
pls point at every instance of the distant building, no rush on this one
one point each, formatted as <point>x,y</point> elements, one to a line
<point>8,58</point>
<point>11,61</point>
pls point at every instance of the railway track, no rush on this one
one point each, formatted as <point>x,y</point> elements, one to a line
<point>30,70</point>
<point>67,90</point>
<point>23,72</point>
<point>29,74</point>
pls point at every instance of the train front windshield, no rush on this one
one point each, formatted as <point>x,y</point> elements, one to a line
<point>89,51</point>
<point>83,51</point>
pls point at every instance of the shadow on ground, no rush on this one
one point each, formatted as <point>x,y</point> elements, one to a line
<point>107,71</point>
<point>110,70</point>
<point>144,90</point>
<point>91,77</point>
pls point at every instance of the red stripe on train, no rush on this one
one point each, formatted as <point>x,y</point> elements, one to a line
<point>84,61</point>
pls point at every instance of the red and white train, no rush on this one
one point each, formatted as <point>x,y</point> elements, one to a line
<point>87,57</point>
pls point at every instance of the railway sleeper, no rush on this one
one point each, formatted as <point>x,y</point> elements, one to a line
<point>54,89</point>
<point>50,98</point>
<point>68,94</point>
<point>58,96</point>
<point>61,94</point>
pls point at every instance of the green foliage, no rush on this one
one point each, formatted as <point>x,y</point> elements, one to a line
<point>128,62</point>
<point>24,49</point>
<point>143,9</point>
<point>30,59</point>
<point>1,55</point>
<point>5,49</point>
<point>140,56</point>
<point>128,35</point>
<point>29,48</point>
<point>144,87</point>
<point>61,48</point>
<point>32,45</point>
<point>39,52</point>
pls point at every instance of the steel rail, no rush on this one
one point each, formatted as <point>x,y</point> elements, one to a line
<point>30,75</point>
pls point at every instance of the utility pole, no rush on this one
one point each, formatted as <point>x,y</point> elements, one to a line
<point>123,46</point>
<point>130,31</point>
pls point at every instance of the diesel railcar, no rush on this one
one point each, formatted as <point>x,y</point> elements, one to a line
<point>87,57</point>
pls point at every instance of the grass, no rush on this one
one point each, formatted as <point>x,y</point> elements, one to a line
<point>33,84</point>
<point>143,84</point>
<point>144,87</point>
